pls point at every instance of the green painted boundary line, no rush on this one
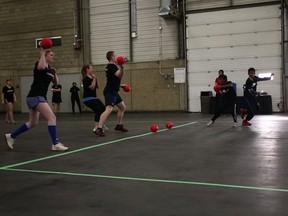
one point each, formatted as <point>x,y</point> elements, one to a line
<point>91,147</point>
<point>153,180</point>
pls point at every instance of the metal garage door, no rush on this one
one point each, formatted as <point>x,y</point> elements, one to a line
<point>233,40</point>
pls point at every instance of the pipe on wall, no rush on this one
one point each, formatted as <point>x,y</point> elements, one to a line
<point>185,53</point>
<point>85,27</point>
<point>284,50</point>
<point>132,26</point>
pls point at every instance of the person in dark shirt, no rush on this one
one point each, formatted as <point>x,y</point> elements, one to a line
<point>250,96</point>
<point>90,99</point>
<point>9,98</point>
<point>36,100</point>
<point>75,97</point>
<point>114,73</point>
<point>56,97</point>
<point>218,93</point>
<point>227,100</point>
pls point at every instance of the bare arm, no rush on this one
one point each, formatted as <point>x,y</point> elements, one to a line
<point>94,83</point>
<point>225,86</point>
<point>42,61</point>
<point>15,99</point>
<point>120,72</point>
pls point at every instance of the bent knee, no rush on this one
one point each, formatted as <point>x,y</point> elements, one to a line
<point>31,124</point>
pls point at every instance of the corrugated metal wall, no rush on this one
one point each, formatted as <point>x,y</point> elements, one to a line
<point>234,40</point>
<point>109,23</point>
<point>153,43</point>
<point>208,4</point>
<point>110,31</point>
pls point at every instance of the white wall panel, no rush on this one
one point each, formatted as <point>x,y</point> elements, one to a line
<point>233,52</point>
<point>241,27</point>
<point>232,15</point>
<point>243,2</point>
<point>208,4</point>
<point>200,4</point>
<point>233,45</point>
<point>235,64</point>
<point>270,37</point>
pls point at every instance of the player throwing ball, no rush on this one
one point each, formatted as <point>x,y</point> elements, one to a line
<point>227,100</point>
<point>36,100</point>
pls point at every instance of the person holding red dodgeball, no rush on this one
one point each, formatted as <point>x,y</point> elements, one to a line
<point>36,100</point>
<point>114,73</point>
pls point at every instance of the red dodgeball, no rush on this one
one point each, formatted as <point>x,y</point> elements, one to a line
<point>126,88</point>
<point>154,128</point>
<point>46,43</point>
<point>169,125</point>
<point>120,60</point>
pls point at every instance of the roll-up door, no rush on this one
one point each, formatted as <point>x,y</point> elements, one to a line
<point>233,40</point>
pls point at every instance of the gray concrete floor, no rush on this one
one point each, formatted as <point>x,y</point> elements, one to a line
<point>188,170</point>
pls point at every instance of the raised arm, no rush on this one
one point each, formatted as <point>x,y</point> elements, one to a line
<point>42,64</point>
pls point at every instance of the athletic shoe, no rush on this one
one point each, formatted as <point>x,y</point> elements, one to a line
<point>210,123</point>
<point>59,147</point>
<point>9,140</point>
<point>121,128</point>
<point>104,128</point>
<point>243,113</point>
<point>99,132</point>
<point>246,123</point>
<point>235,124</point>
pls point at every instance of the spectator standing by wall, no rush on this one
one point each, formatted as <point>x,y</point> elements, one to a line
<point>9,98</point>
<point>75,97</point>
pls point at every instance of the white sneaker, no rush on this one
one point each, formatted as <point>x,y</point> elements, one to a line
<point>105,128</point>
<point>235,124</point>
<point>59,147</point>
<point>9,140</point>
<point>210,123</point>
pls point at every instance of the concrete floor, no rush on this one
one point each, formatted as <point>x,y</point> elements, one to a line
<point>188,170</point>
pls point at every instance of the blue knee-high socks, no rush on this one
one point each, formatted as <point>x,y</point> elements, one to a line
<point>26,126</point>
<point>20,130</point>
<point>53,133</point>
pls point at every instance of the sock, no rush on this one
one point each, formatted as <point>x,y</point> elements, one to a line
<point>20,130</point>
<point>53,133</point>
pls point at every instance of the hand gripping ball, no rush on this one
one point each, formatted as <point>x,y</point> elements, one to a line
<point>154,128</point>
<point>216,88</point>
<point>120,60</point>
<point>126,88</point>
<point>46,43</point>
